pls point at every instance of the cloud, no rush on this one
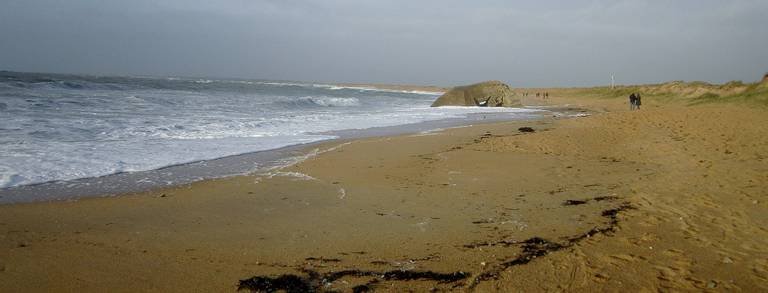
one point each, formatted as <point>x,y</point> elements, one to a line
<point>532,43</point>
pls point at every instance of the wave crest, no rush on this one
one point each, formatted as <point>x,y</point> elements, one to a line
<point>333,101</point>
<point>322,101</point>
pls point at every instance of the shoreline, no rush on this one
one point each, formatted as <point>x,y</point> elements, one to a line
<point>121,183</point>
<point>667,198</point>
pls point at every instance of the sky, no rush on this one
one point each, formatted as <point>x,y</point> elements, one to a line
<point>429,42</point>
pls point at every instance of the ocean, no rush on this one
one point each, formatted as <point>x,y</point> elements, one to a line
<point>61,129</point>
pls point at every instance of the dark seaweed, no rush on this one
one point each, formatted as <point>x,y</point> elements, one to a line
<point>322,259</point>
<point>537,247</point>
<point>362,288</point>
<point>425,275</point>
<point>504,243</point>
<point>526,129</point>
<point>289,283</point>
<point>314,281</point>
<point>602,198</point>
<point>532,248</point>
<point>574,202</point>
<point>483,221</point>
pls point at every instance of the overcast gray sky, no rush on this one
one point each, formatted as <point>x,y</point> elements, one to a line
<point>445,42</point>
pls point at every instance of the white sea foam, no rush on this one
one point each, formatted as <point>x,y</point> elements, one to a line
<point>333,101</point>
<point>296,175</point>
<point>68,129</point>
<point>274,83</point>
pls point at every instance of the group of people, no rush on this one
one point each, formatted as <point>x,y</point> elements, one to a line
<point>634,101</point>
<point>544,95</point>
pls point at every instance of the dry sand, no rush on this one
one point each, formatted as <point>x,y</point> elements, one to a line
<point>663,199</point>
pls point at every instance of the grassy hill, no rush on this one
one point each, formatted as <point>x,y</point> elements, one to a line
<point>676,92</point>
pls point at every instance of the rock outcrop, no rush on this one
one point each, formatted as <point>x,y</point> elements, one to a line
<point>484,94</point>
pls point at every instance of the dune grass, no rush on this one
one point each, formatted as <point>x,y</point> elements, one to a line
<point>686,93</point>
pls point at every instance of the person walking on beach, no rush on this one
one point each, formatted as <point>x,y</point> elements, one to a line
<point>632,100</point>
<point>638,102</point>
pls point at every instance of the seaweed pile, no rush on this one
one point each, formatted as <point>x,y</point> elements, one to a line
<point>531,249</point>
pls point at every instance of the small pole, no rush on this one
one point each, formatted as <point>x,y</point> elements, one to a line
<point>613,82</point>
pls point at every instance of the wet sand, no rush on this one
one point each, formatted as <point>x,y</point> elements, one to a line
<point>667,198</point>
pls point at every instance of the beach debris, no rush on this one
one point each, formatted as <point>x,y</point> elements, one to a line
<point>353,252</point>
<point>558,190</point>
<point>342,193</point>
<point>483,221</point>
<point>574,202</point>
<point>485,135</point>
<point>313,281</point>
<point>322,259</point>
<point>537,247</point>
<point>526,129</point>
<point>422,225</point>
<point>607,197</point>
<point>517,224</point>
<point>289,283</point>
<point>362,288</point>
<point>727,260</point>
<point>504,243</point>
<point>408,264</point>
<point>532,248</point>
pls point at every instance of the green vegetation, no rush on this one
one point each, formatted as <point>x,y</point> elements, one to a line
<point>753,95</point>
<point>705,98</point>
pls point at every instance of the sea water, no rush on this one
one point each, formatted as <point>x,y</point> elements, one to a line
<point>57,128</point>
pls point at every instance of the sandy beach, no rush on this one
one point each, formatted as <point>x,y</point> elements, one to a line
<point>668,198</point>
<point>383,146</point>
